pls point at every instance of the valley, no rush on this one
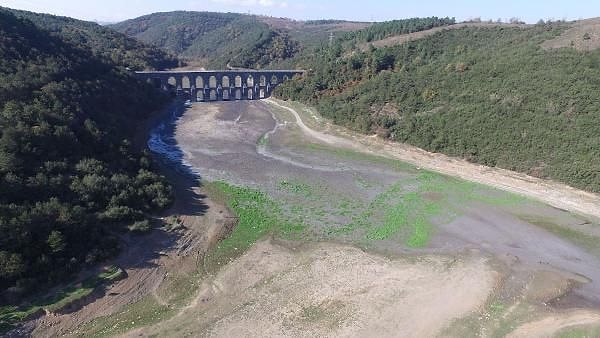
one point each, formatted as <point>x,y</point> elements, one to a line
<point>329,231</point>
<point>213,174</point>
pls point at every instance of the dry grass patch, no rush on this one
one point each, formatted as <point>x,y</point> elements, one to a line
<point>584,35</point>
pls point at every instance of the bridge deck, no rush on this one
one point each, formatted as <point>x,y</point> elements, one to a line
<point>222,71</point>
<point>215,85</point>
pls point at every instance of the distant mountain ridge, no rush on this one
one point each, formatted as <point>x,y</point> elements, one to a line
<point>215,38</point>
<point>176,31</point>
<point>219,39</point>
<point>101,40</point>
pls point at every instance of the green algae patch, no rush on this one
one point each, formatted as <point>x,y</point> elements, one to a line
<point>257,216</point>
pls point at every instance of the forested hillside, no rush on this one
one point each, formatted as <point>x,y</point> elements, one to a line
<point>386,29</point>
<point>216,38</point>
<point>70,181</point>
<point>102,41</point>
<point>491,95</point>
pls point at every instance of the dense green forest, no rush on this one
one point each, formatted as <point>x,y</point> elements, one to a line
<point>70,179</point>
<point>175,31</point>
<point>382,30</point>
<point>102,41</point>
<point>218,38</point>
<point>271,47</point>
<point>490,95</point>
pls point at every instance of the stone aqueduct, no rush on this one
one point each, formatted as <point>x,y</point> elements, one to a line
<point>219,85</point>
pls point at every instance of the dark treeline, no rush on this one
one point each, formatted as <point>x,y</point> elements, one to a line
<point>70,180</point>
<point>490,95</point>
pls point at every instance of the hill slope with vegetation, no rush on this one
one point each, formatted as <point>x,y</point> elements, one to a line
<point>70,180</point>
<point>491,95</point>
<point>218,39</point>
<point>102,41</point>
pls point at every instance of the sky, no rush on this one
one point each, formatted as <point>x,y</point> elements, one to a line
<point>368,10</point>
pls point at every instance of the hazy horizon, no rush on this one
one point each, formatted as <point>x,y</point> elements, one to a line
<point>110,11</point>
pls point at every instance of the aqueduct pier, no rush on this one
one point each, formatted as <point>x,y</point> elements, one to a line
<point>217,85</point>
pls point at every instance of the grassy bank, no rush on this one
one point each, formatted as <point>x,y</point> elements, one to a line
<point>10,315</point>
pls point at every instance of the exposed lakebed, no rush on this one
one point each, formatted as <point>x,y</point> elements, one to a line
<point>326,191</point>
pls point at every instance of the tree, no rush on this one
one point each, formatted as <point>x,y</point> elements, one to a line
<point>11,265</point>
<point>56,241</point>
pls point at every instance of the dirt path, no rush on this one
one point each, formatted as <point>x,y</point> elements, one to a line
<point>553,193</point>
<point>550,325</point>
<point>583,35</point>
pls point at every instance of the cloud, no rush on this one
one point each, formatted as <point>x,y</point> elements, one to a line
<point>253,3</point>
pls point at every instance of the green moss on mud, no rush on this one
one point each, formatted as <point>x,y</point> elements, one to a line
<point>408,210</point>
<point>142,313</point>
<point>263,140</point>
<point>257,216</point>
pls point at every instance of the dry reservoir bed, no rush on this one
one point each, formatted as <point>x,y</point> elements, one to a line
<point>332,290</point>
<point>438,255</point>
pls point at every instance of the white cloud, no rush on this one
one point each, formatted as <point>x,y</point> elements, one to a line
<point>253,3</point>
<point>118,10</point>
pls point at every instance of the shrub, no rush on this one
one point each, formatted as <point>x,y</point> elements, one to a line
<point>140,226</point>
